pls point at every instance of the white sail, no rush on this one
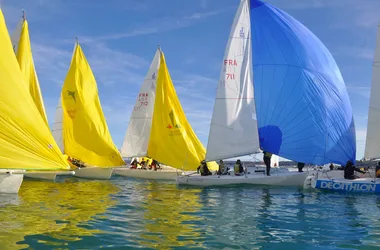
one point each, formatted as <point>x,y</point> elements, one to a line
<point>57,127</point>
<point>372,146</point>
<point>233,130</point>
<point>15,37</point>
<point>137,137</point>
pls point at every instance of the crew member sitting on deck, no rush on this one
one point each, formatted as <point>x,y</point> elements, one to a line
<point>143,163</point>
<point>154,165</point>
<point>203,169</point>
<point>349,171</point>
<point>267,157</point>
<point>300,166</point>
<point>331,166</point>
<point>238,168</point>
<point>377,171</point>
<point>222,168</point>
<point>134,164</point>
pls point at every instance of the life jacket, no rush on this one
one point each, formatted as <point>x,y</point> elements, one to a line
<point>237,168</point>
<point>221,167</point>
<point>202,169</point>
<point>377,171</point>
<point>268,155</point>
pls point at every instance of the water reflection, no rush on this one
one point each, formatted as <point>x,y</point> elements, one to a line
<point>58,210</point>
<point>124,214</point>
<point>170,216</point>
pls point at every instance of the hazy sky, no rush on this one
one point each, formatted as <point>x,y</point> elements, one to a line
<point>120,37</point>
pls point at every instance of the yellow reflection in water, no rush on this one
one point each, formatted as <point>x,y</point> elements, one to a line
<point>169,214</point>
<point>53,208</point>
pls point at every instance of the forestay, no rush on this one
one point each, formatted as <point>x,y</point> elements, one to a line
<point>233,130</point>
<point>136,140</point>
<point>372,146</point>
<point>303,109</point>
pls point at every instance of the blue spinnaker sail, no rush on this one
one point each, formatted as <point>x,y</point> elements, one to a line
<point>303,109</point>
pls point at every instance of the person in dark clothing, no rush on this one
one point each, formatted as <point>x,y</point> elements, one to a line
<point>377,171</point>
<point>154,165</point>
<point>300,166</point>
<point>134,164</point>
<point>349,171</point>
<point>331,166</point>
<point>238,168</point>
<point>267,157</point>
<point>203,169</point>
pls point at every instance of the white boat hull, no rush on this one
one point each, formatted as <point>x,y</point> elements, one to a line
<point>10,181</point>
<point>163,174</point>
<point>94,173</point>
<point>48,175</point>
<point>278,179</point>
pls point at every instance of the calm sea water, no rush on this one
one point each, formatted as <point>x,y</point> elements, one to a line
<point>129,213</point>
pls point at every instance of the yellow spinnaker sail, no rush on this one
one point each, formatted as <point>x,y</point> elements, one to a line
<point>25,139</point>
<point>172,140</point>
<point>25,60</point>
<point>85,133</point>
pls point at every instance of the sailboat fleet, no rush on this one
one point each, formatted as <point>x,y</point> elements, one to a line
<point>280,91</point>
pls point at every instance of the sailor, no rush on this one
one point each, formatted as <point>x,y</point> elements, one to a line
<point>238,168</point>
<point>154,165</point>
<point>331,166</point>
<point>203,169</point>
<point>377,171</point>
<point>267,157</point>
<point>349,171</point>
<point>221,168</point>
<point>300,166</point>
<point>134,164</point>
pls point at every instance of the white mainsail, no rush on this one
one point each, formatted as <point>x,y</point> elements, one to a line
<point>233,130</point>
<point>57,127</point>
<point>136,140</point>
<point>372,146</point>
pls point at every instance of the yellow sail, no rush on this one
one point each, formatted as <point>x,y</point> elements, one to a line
<point>172,140</point>
<point>85,133</point>
<point>25,60</point>
<point>25,139</point>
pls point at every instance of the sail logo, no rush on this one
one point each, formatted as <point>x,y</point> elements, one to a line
<point>72,95</point>
<point>174,126</point>
<point>70,107</point>
<point>348,186</point>
<point>154,76</point>
<point>171,116</point>
<point>242,34</point>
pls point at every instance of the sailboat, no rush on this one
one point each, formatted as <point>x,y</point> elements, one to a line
<point>21,44</point>
<point>25,140</point>
<point>159,129</point>
<point>368,184</point>
<point>280,91</point>
<point>80,127</point>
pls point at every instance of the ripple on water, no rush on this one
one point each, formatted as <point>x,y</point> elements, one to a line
<point>133,213</point>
